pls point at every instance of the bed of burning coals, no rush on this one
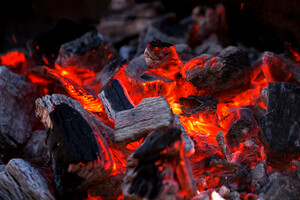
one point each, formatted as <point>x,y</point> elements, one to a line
<point>174,114</point>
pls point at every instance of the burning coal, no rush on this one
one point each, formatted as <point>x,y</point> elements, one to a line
<point>167,124</point>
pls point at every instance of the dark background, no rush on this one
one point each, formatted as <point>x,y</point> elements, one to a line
<point>264,24</point>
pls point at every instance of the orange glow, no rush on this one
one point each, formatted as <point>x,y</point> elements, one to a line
<point>87,100</point>
<point>38,80</point>
<point>13,59</point>
<point>78,75</point>
<point>172,84</point>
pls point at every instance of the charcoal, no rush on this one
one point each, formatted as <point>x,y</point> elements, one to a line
<point>204,164</point>
<point>196,104</point>
<point>243,126</point>
<point>148,115</point>
<point>216,196</point>
<point>114,99</point>
<point>70,128</point>
<point>35,150</point>
<point>87,42</point>
<point>129,22</point>
<point>201,184</point>
<point>16,111</point>
<point>48,43</point>
<point>264,96</point>
<point>158,169</point>
<point>234,195</point>
<point>45,104</point>
<point>223,147</point>
<point>209,20</point>
<point>127,52</point>
<point>202,196</point>
<point>224,191</point>
<point>188,142</point>
<point>185,52</point>
<point>282,187</point>
<point>80,155</point>
<point>280,126</point>
<point>250,151</point>
<point>105,191</point>
<point>137,67</point>
<point>210,46</point>
<point>19,180</point>
<point>138,70</point>
<point>109,72</point>
<point>274,68</point>
<point>224,164</point>
<point>259,177</point>
<point>229,71</point>
<point>165,28</point>
<point>295,68</point>
<point>257,111</point>
<point>296,163</point>
<point>191,68</point>
<point>162,57</point>
<point>90,51</point>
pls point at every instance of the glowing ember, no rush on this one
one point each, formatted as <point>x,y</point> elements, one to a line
<point>88,101</point>
<point>209,160</point>
<point>14,59</point>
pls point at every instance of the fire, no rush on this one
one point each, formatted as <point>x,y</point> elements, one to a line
<point>14,59</point>
<point>203,128</point>
<point>89,102</point>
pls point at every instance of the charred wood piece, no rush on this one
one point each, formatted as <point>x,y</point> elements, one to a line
<point>191,69</point>
<point>162,57</point>
<point>127,52</point>
<point>36,150</point>
<point>109,72</point>
<point>274,68</point>
<point>90,51</point>
<point>210,20</point>
<point>138,70</point>
<point>114,99</point>
<point>211,46</point>
<point>195,104</point>
<point>229,71</point>
<point>129,22</point>
<point>257,111</point>
<point>158,169</point>
<point>16,110</point>
<point>259,177</point>
<point>165,28</point>
<point>280,126</point>
<point>19,180</point>
<point>45,105</point>
<point>282,187</point>
<point>109,189</point>
<point>185,52</point>
<point>244,125</point>
<point>223,147</point>
<point>148,115</point>
<point>264,95</point>
<point>72,136</point>
<point>188,142</point>
<point>80,155</point>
